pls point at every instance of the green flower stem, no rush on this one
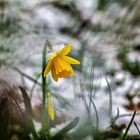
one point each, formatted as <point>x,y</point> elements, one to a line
<point>45,117</point>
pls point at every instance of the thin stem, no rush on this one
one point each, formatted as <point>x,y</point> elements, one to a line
<point>45,117</point>
<point>43,78</point>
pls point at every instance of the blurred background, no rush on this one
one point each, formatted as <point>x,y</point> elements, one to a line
<point>105,35</point>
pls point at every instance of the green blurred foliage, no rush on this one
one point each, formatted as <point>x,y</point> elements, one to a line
<point>126,64</point>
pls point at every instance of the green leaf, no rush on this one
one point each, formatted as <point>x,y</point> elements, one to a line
<point>29,113</point>
<point>110,99</point>
<point>67,128</point>
<point>127,129</point>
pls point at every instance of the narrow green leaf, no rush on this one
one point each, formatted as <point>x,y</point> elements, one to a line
<point>25,75</point>
<point>110,99</point>
<point>64,130</point>
<point>96,113</point>
<point>127,129</point>
<point>113,120</point>
<point>29,113</point>
<point>137,127</point>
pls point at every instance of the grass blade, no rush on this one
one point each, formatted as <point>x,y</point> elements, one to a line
<point>25,75</point>
<point>110,98</point>
<point>96,113</point>
<point>137,127</point>
<point>127,129</point>
<point>29,113</point>
<point>68,127</point>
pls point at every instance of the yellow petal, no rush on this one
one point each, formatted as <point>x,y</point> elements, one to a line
<point>55,77</point>
<point>69,68</point>
<point>59,64</point>
<point>65,50</point>
<point>53,56</point>
<point>71,60</point>
<point>50,107</point>
<point>48,68</point>
<point>65,73</point>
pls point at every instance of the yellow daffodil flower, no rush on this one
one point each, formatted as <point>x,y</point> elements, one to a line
<point>59,63</point>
